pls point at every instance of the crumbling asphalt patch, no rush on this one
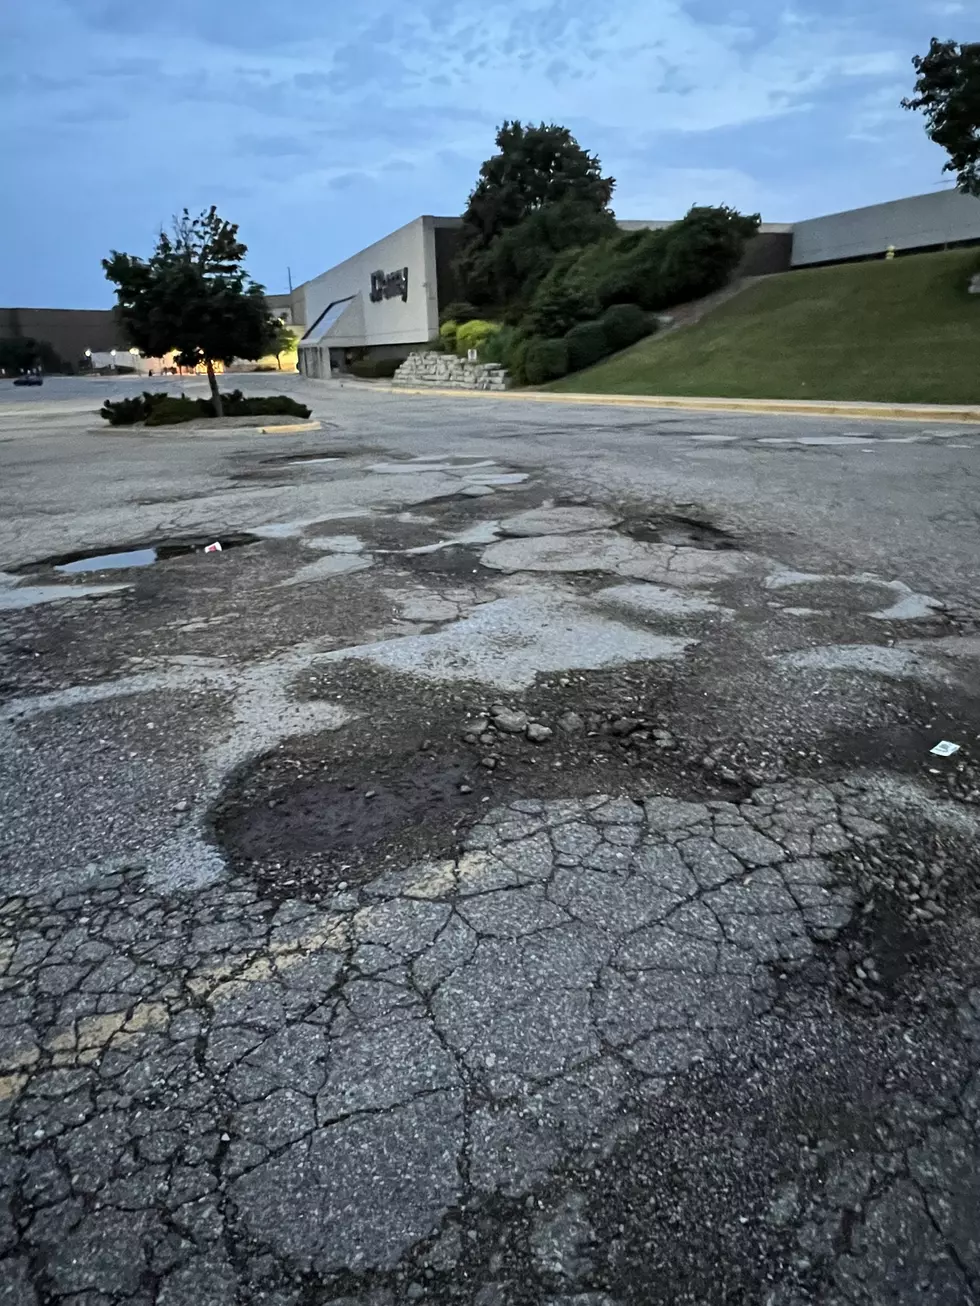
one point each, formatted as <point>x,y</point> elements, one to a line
<point>299,819</point>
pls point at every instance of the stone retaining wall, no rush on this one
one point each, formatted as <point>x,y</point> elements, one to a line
<point>448,371</point>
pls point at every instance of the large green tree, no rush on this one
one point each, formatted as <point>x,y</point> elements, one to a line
<point>947,90</point>
<point>540,193</point>
<point>193,296</point>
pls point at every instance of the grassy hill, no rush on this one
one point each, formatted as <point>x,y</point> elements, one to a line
<point>894,331</point>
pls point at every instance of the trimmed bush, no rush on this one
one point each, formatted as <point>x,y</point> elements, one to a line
<point>516,361</point>
<point>238,405</point>
<point>473,335</point>
<point>373,369</point>
<point>545,360</point>
<point>447,334</point>
<point>508,346</point>
<point>587,344</point>
<point>172,411</point>
<point>125,412</point>
<point>625,324</point>
<point>161,409</point>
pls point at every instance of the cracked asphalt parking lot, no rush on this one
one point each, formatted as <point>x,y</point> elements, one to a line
<point>516,874</point>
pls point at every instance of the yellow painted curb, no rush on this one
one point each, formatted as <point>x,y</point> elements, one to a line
<point>802,408</point>
<point>282,430</point>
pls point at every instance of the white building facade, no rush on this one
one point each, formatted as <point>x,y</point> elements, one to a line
<point>386,299</point>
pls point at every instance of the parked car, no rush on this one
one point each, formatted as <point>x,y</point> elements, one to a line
<point>30,379</point>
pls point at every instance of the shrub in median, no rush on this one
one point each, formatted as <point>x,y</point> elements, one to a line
<point>124,412</point>
<point>174,410</point>
<point>587,344</point>
<point>238,405</point>
<point>546,360</point>
<point>161,409</point>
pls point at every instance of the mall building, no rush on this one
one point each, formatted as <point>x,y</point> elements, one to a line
<point>386,300</point>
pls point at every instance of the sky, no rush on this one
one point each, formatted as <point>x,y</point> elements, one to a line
<point>320,126</point>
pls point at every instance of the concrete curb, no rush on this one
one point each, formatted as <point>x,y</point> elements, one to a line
<point>286,429</point>
<point>793,407</point>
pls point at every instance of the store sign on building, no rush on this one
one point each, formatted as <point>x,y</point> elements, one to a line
<point>389,285</point>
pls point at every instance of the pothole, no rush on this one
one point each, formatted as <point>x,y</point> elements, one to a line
<point>844,596</point>
<point>315,830</point>
<point>685,532</point>
<point>142,554</point>
<point>457,560</point>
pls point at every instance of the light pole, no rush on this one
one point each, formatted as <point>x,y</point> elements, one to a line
<point>134,353</point>
<point>112,354</point>
<point>88,355</point>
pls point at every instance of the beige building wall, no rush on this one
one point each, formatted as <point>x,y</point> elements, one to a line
<point>944,217</point>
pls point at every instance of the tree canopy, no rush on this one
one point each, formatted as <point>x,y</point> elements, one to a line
<point>947,90</point>
<point>193,296</point>
<point>541,193</point>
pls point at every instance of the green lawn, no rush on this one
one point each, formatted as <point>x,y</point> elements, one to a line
<point>892,331</point>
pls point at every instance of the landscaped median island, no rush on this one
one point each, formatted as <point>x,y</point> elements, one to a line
<point>903,330</point>
<point>159,409</point>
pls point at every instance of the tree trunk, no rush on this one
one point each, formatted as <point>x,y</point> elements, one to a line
<point>279,361</point>
<point>215,392</point>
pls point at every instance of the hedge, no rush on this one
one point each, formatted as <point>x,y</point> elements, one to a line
<point>160,409</point>
<point>125,412</point>
<point>587,344</point>
<point>652,270</point>
<point>625,324</point>
<point>546,360</point>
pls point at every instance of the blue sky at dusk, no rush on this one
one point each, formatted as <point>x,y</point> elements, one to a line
<point>322,127</point>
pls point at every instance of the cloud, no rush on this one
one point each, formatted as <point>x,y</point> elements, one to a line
<point>136,112</point>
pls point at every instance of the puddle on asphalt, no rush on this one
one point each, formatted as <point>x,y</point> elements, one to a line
<point>301,459</point>
<point>142,555</point>
<point>685,532</point>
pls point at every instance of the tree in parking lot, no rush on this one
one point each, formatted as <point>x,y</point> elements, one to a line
<point>948,91</point>
<point>193,296</point>
<point>284,341</point>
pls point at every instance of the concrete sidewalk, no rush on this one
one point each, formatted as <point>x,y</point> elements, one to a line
<point>797,407</point>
